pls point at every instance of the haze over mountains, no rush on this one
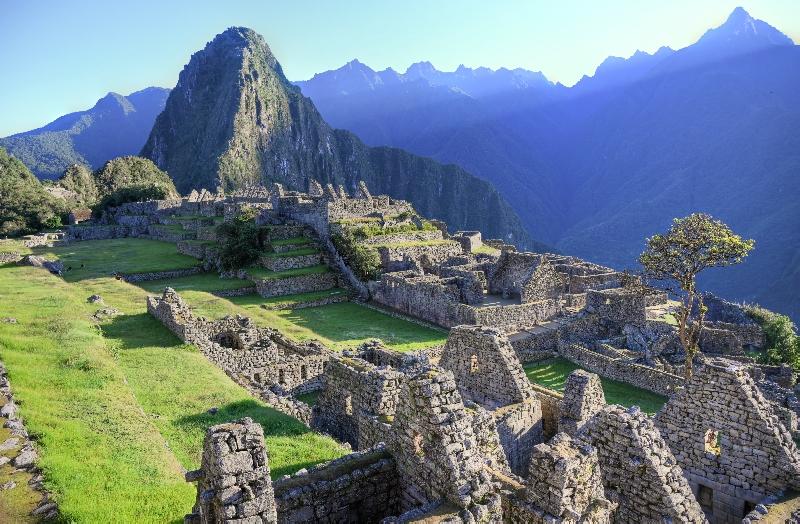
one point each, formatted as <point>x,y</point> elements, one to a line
<point>596,168</point>
<point>591,169</point>
<point>116,126</point>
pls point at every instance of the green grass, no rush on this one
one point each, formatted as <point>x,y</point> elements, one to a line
<point>413,243</point>
<point>287,301</point>
<point>291,241</point>
<point>309,398</point>
<point>294,253</point>
<point>259,273</point>
<point>122,255</point>
<point>553,375</point>
<point>13,246</point>
<point>200,282</point>
<point>486,250</point>
<point>339,326</point>
<point>120,411</point>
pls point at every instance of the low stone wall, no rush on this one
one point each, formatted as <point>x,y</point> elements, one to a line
<point>551,409</point>
<point>360,487</point>
<point>515,317</point>
<point>284,263</point>
<point>293,285</point>
<point>536,345</point>
<point>98,232</point>
<point>615,368</point>
<point>240,292</point>
<point>159,275</point>
<point>20,444</point>
<point>9,258</point>
<point>395,257</point>
<point>193,249</point>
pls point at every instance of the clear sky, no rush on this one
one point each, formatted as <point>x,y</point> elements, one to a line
<point>60,56</point>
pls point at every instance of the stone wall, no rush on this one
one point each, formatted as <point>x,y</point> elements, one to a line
<point>436,450</point>
<point>233,482</point>
<point>637,375</point>
<point>515,317</point>
<point>583,398</point>
<point>360,487</point>
<point>639,471</point>
<point>252,356</point>
<point>394,258</point>
<point>564,485</point>
<point>160,275</point>
<point>618,305</point>
<point>355,388</point>
<point>284,263</point>
<point>725,435</point>
<point>273,287</point>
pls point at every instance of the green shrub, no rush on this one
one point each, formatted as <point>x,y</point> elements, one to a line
<point>363,260</point>
<point>25,205</point>
<point>782,342</point>
<point>241,242</point>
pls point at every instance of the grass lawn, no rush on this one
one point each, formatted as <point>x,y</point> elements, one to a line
<point>486,250</point>
<point>120,411</point>
<point>553,374</point>
<point>309,398</point>
<point>339,326</point>
<point>121,255</point>
<point>200,282</point>
<point>259,273</point>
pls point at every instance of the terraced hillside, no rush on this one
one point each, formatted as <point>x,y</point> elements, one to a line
<point>118,405</point>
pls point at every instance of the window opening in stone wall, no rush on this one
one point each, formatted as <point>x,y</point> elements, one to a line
<point>303,372</point>
<point>473,364</point>
<point>419,451</point>
<point>711,443</point>
<point>281,377</point>
<point>705,497</point>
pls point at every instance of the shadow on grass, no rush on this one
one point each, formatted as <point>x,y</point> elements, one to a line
<point>275,424</point>
<point>138,331</point>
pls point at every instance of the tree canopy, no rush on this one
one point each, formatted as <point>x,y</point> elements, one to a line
<point>691,245</point>
<point>25,205</point>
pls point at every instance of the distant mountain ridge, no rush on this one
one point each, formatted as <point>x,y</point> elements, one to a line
<point>597,167</point>
<point>234,120</point>
<point>116,126</point>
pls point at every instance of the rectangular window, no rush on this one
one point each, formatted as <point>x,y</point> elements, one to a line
<point>304,372</point>
<point>281,377</point>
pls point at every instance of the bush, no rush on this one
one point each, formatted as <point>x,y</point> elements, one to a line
<point>782,343</point>
<point>241,243</point>
<point>130,194</point>
<point>25,205</point>
<point>363,260</point>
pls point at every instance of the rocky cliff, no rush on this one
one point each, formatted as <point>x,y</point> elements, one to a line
<point>234,119</point>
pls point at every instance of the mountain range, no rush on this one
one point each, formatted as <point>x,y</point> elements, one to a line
<point>234,120</point>
<point>596,168</point>
<point>591,169</point>
<point>116,126</point>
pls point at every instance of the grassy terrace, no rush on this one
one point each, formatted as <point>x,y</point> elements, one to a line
<point>413,243</point>
<point>120,411</point>
<point>294,253</point>
<point>291,241</point>
<point>553,374</point>
<point>259,273</point>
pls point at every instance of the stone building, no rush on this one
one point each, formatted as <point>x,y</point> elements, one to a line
<point>733,449</point>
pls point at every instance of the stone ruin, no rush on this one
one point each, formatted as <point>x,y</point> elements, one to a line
<point>489,374</point>
<point>233,482</point>
<point>733,449</point>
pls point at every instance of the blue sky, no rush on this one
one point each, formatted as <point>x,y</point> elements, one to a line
<point>61,56</point>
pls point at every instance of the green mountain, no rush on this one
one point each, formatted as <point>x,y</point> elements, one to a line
<point>234,119</point>
<point>116,126</point>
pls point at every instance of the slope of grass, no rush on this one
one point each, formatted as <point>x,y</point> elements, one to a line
<point>553,375</point>
<point>294,241</point>
<point>339,326</point>
<point>121,411</point>
<point>101,455</point>
<point>121,255</point>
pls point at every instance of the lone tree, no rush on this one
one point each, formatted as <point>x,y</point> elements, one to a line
<point>692,244</point>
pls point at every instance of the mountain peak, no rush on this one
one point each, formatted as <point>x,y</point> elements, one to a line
<point>742,33</point>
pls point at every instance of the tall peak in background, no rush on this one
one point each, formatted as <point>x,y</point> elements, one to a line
<point>742,32</point>
<point>234,120</point>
